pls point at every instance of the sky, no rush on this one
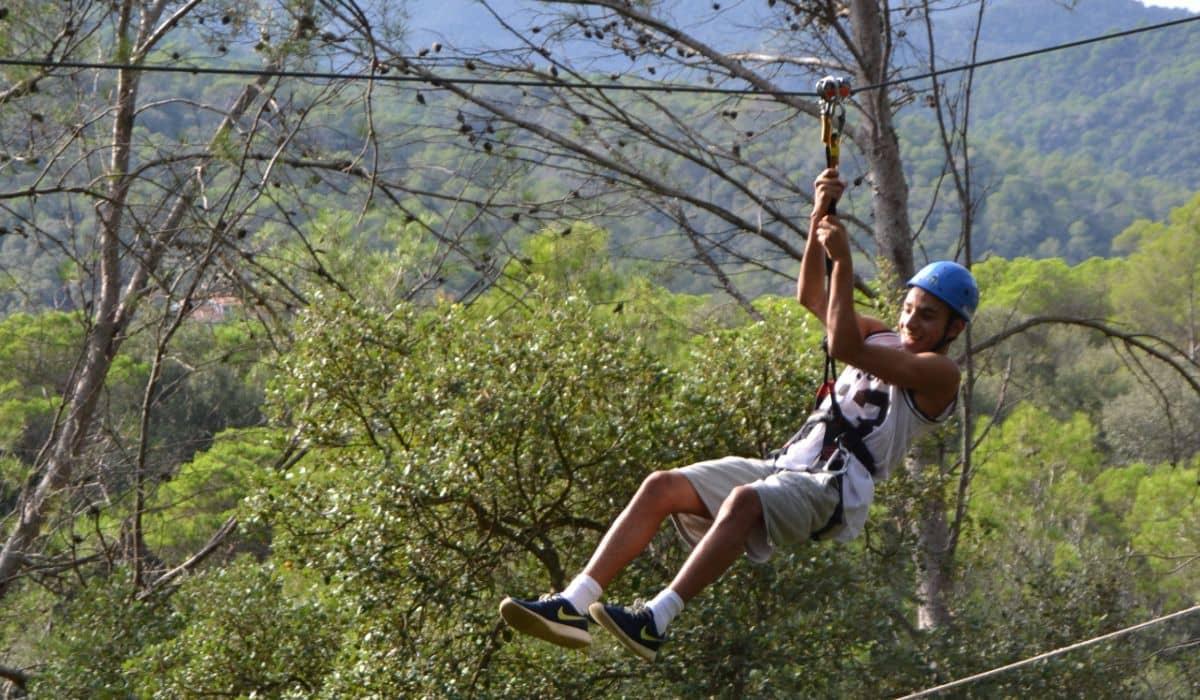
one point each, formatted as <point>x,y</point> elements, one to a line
<point>1191,5</point>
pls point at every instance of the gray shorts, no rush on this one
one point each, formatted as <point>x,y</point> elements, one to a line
<point>795,504</point>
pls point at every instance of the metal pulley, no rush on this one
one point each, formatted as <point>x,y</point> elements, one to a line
<point>833,89</point>
<point>833,92</point>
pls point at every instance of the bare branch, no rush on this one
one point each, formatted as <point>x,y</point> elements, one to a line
<point>806,61</point>
<point>1174,357</point>
<point>217,539</point>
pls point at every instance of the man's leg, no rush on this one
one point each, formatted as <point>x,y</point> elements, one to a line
<point>559,618</point>
<point>660,495</point>
<point>722,545</point>
<point>642,628</point>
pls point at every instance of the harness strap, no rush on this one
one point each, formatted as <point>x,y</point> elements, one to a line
<point>841,438</point>
<point>850,440</point>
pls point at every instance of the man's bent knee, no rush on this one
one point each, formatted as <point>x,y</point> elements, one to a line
<point>673,492</point>
<point>742,502</point>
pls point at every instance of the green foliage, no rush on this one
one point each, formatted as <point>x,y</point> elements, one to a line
<point>574,261</point>
<point>1070,147</point>
<point>1147,412</point>
<point>1051,364</point>
<point>244,630</point>
<point>376,258</point>
<point>1046,287</point>
<point>1151,510</point>
<point>1113,493</point>
<point>12,475</point>
<point>460,455</point>
<point>36,355</point>
<point>1155,418</point>
<point>184,512</point>
<point>94,633</point>
<point>453,455</point>
<point>1160,288</point>
<point>1044,555</point>
<point>744,390</point>
<point>1163,517</point>
<point>449,448</point>
<point>1033,474</point>
<point>241,630</point>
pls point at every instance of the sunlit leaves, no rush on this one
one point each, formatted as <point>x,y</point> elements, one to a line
<point>1163,520</point>
<point>243,630</point>
<point>1160,287</point>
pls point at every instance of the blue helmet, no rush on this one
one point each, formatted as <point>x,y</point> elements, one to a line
<point>952,283</point>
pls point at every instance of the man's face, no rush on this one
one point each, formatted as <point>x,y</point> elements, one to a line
<point>925,320</point>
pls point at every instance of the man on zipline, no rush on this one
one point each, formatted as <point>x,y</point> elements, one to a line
<point>896,387</point>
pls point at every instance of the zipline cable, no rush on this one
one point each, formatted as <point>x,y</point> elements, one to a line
<point>1041,657</point>
<point>585,85</point>
<point>1034,52</point>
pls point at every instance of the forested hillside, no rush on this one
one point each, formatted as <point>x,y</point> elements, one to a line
<point>1069,147</point>
<point>302,373</point>
<point>1074,145</point>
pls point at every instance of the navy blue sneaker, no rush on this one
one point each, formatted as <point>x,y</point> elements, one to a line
<point>551,617</point>
<point>634,627</point>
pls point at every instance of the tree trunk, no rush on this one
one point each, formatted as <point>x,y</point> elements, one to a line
<point>894,244</point>
<point>933,556</point>
<point>115,307</point>
<point>876,136</point>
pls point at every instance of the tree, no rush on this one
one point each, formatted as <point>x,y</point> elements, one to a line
<point>277,645</point>
<point>451,451</point>
<point>134,255</point>
<point>154,229</point>
<point>1161,288</point>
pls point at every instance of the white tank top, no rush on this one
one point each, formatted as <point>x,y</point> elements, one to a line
<point>889,421</point>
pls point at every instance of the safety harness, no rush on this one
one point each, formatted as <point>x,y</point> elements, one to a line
<point>841,438</point>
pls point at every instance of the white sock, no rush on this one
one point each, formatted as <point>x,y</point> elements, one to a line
<point>582,591</point>
<point>665,606</point>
